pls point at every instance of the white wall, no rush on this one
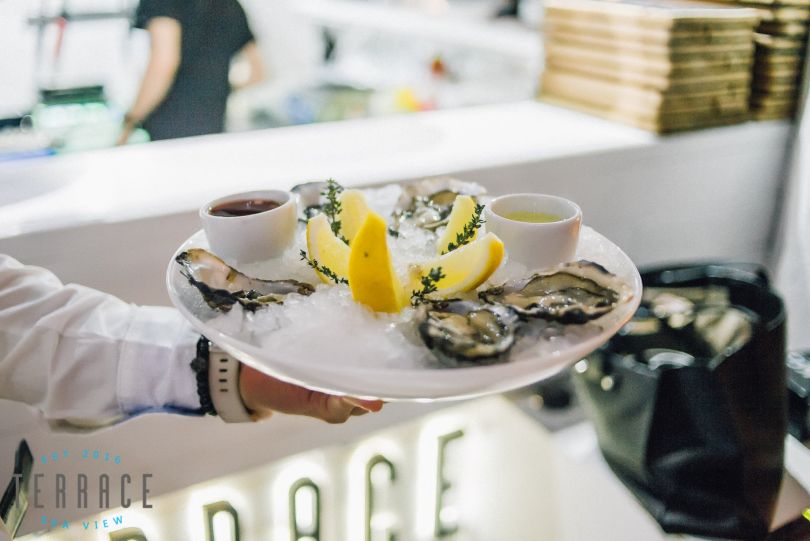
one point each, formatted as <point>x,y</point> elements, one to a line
<point>291,46</point>
<point>97,52</point>
<point>794,253</point>
<point>17,52</point>
<point>702,195</point>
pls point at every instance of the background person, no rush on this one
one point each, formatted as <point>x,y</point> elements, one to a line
<point>185,88</point>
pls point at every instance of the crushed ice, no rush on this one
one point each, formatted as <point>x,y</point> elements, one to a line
<point>328,327</point>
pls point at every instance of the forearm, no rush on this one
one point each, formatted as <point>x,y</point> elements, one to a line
<point>251,59</point>
<point>251,80</point>
<point>255,77</point>
<point>83,357</point>
<point>156,83</point>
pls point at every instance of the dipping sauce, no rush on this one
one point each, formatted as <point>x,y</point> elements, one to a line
<point>532,217</point>
<point>243,207</point>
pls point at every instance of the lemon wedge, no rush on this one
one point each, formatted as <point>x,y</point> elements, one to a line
<point>325,248</point>
<point>461,214</point>
<point>353,211</point>
<point>371,275</point>
<point>464,268</point>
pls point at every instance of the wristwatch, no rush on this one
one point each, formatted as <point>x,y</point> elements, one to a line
<point>217,374</point>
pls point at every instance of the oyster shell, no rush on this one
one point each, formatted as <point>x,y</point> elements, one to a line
<point>310,201</point>
<point>222,286</point>
<point>571,293</point>
<point>427,204</point>
<point>466,332</point>
<point>700,318</point>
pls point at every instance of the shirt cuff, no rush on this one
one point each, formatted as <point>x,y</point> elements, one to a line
<point>154,371</point>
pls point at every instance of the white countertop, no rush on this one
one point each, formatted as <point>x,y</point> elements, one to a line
<point>168,177</point>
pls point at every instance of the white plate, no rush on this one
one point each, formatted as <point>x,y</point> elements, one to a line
<point>417,383</point>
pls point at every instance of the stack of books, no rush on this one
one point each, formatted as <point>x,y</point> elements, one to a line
<point>661,65</point>
<point>780,39</point>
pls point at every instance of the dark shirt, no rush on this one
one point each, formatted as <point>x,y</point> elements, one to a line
<point>213,31</point>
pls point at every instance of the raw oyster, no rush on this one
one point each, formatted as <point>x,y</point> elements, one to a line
<point>310,201</point>
<point>466,332</point>
<point>724,329</point>
<point>700,318</point>
<point>427,204</point>
<point>571,293</point>
<point>223,286</point>
<point>678,306</point>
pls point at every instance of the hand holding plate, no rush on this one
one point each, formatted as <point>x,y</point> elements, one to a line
<point>263,394</point>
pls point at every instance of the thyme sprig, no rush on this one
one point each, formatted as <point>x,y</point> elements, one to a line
<point>323,269</point>
<point>429,282</point>
<point>332,207</point>
<point>468,233</point>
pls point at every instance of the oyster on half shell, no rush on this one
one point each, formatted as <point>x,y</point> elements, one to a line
<point>571,293</point>
<point>222,286</point>
<point>310,201</point>
<point>427,203</point>
<point>466,332</point>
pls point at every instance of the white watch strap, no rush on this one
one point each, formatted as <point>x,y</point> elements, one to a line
<point>223,384</point>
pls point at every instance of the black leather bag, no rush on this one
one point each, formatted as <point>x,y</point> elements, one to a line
<point>698,438</point>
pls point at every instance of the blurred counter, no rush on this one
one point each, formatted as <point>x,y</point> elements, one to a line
<point>161,178</point>
<point>63,121</point>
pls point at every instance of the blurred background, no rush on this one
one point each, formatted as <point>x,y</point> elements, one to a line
<point>72,68</point>
<point>537,96</point>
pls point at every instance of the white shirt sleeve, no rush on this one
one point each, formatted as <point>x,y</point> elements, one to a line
<point>87,358</point>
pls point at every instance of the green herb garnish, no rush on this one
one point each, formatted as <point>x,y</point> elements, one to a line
<point>429,282</point>
<point>323,269</point>
<point>468,233</point>
<point>332,207</point>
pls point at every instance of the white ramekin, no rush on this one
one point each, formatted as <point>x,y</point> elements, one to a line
<point>536,246</point>
<point>252,238</point>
